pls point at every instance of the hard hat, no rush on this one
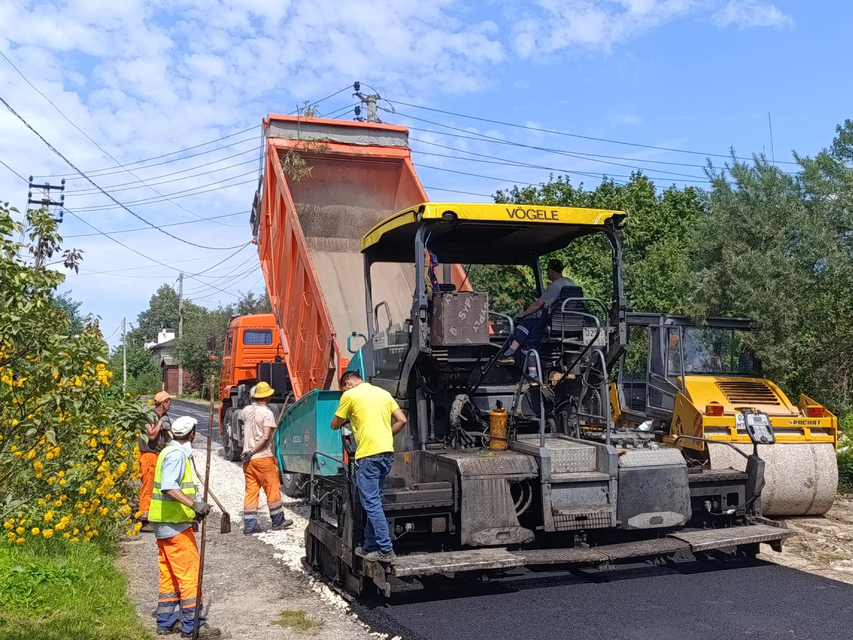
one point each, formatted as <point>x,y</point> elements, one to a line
<point>262,390</point>
<point>183,425</point>
<point>161,397</point>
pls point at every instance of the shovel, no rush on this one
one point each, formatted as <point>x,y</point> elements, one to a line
<point>225,522</point>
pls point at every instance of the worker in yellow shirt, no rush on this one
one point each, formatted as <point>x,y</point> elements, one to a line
<point>370,411</point>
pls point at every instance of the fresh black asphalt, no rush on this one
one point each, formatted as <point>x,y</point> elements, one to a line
<point>687,601</point>
<point>684,601</point>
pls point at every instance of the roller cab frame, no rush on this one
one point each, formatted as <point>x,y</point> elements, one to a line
<point>563,490</point>
<point>700,379</point>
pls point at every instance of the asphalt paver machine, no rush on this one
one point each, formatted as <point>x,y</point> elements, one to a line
<point>506,465</point>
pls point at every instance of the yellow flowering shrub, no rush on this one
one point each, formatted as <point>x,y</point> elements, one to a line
<point>68,456</point>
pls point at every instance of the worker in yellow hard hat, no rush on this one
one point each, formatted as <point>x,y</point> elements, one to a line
<point>259,464</point>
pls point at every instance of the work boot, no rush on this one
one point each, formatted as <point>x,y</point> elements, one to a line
<point>253,530</point>
<point>286,524</point>
<point>381,556</point>
<point>147,527</point>
<point>175,628</point>
<point>206,632</point>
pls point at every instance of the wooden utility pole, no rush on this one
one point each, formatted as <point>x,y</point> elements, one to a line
<point>180,329</point>
<point>124,355</point>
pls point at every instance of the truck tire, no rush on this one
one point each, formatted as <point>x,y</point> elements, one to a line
<point>294,485</point>
<point>231,449</point>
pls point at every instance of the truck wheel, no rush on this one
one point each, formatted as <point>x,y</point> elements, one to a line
<point>294,484</point>
<point>229,444</point>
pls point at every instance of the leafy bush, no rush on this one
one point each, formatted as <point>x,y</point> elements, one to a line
<point>67,440</point>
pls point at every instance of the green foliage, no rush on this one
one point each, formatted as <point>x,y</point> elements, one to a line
<point>54,591</point>
<point>656,239</point>
<point>777,247</point>
<point>845,471</point>
<point>66,440</point>
<point>71,307</point>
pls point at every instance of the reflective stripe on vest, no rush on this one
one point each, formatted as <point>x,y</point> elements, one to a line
<point>163,507</point>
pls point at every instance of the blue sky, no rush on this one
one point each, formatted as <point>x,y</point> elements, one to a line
<point>148,78</point>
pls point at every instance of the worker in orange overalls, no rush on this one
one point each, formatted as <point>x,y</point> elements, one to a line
<point>151,443</point>
<point>259,465</point>
<point>174,508</point>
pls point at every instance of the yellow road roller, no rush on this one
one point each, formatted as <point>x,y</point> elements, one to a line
<point>681,380</point>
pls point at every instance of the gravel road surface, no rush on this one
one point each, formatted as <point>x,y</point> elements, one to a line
<point>249,580</point>
<point>253,579</point>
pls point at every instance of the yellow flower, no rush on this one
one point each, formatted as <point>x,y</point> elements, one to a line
<point>20,531</point>
<point>47,533</point>
<point>20,541</point>
<point>34,531</point>
<point>11,535</point>
<point>8,526</point>
<point>48,516</point>
<point>66,535</point>
<point>82,491</point>
<point>62,482</point>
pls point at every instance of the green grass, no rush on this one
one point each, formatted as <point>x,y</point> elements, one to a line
<point>298,620</point>
<point>56,591</point>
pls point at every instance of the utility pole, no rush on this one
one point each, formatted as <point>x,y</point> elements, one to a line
<point>772,149</point>
<point>180,329</point>
<point>369,102</point>
<point>46,201</point>
<point>124,355</point>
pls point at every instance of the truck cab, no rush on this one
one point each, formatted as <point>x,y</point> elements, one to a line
<point>252,353</point>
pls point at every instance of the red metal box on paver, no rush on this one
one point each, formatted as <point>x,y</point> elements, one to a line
<point>460,317</point>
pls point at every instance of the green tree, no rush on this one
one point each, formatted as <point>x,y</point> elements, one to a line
<point>71,307</point>
<point>657,239</point>
<point>777,247</point>
<point>67,465</point>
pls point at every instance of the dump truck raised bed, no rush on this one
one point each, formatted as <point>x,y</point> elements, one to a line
<point>462,497</point>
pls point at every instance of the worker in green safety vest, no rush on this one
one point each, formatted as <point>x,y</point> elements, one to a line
<point>174,508</point>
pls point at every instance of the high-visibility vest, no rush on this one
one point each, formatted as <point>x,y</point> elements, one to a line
<point>163,507</point>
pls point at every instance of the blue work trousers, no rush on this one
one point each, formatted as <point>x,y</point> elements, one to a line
<point>370,474</point>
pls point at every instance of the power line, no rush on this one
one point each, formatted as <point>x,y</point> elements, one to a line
<point>690,177</point>
<point>476,175</point>
<point>467,193</point>
<point>94,142</point>
<point>94,184</point>
<point>486,138</point>
<point>185,193</point>
<point>563,133</point>
<point>117,186</point>
<point>15,172</point>
<point>170,224</point>
<point>341,111</point>
<point>510,163</point>
<point>114,171</point>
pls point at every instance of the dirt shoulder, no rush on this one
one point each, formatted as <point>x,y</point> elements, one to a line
<point>249,581</point>
<point>823,545</point>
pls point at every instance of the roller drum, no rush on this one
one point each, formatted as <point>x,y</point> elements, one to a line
<point>800,479</point>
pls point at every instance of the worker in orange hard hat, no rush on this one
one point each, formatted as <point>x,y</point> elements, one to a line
<point>259,464</point>
<point>152,441</point>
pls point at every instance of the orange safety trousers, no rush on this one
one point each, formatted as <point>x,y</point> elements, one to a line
<point>261,473</point>
<point>179,566</point>
<point>147,464</point>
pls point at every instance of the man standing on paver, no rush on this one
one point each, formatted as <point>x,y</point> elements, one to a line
<point>259,465</point>
<point>174,508</point>
<point>151,443</point>
<point>370,410</point>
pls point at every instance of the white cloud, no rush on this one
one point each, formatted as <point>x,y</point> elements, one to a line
<point>748,14</point>
<point>556,25</point>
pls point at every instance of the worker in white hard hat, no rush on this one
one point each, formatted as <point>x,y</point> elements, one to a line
<point>259,464</point>
<point>174,508</point>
